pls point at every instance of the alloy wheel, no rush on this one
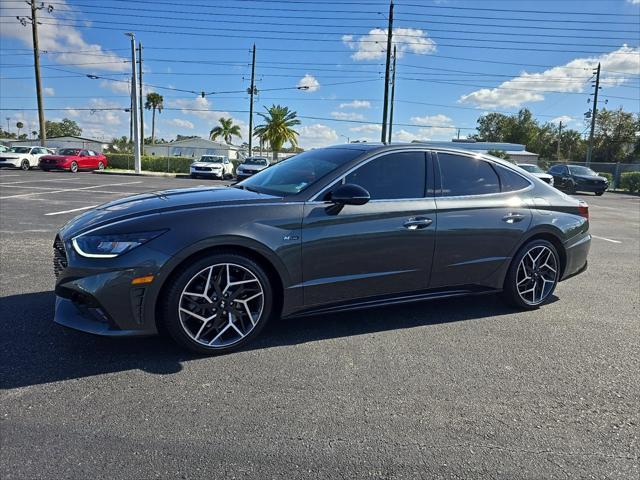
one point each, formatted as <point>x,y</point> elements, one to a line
<point>221,304</point>
<point>537,275</point>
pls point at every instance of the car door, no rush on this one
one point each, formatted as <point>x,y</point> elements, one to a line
<point>560,173</point>
<point>480,221</point>
<point>382,247</point>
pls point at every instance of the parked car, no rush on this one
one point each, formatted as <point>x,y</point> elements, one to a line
<point>3,148</point>
<point>536,171</point>
<point>217,166</point>
<point>74,160</point>
<point>250,166</point>
<point>22,157</point>
<point>346,227</point>
<point>576,178</point>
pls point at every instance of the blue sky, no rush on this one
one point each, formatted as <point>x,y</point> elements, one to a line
<point>456,61</point>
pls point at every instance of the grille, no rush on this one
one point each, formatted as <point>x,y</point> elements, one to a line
<point>548,180</point>
<point>59,257</point>
<point>203,169</point>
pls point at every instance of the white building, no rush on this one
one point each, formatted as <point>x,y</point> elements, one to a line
<point>66,142</point>
<point>194,148</point>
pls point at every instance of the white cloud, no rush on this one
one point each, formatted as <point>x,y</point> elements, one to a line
<point>54,36</point>
<point>634,2</point>
<point>356,104</point>
<point>202,109</point>
<point>562,118</point>
<point>429,120</point>
<point>100,123</point>
<point>347,116</point>
<point>369,128</point>
<point>49,91</point>
<point>374,45</point>
<point>531,87</point>
<point>180,123</point>
<point>310,82</point>
<point>316,135</point>
<point>403,136</point>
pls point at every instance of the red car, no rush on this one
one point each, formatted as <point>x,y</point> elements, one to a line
<point>73,159</point>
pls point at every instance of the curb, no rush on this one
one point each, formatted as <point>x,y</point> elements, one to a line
<point>143,174</point>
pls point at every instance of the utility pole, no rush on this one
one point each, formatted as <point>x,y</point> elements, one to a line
<point>594,113</point>
<point>134,105</point>
<point>36,62</point>
<point>393,92</point>
<point>252,90</point>
<point>559,137</point>
<point>385,105</point>
<point>141,97</point>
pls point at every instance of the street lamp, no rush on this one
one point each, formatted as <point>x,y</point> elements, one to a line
<point>344,136</point>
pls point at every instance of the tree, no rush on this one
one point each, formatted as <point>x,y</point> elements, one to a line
<point>19,126</point>
<point>226,130</point>
<point>65,128</point>
<point>5,134</point>
<point>154,102</point>
<point>121,145</point>
<point>616,136</point>
<point>34,134</point>
<point>277,129</point>
<point>499,154</point>
<point>22,136</point>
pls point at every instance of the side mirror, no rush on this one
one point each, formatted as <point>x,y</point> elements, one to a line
<point>349,194</point>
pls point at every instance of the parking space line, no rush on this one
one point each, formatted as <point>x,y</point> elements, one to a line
<point>26,187</point>
<point>93,187</point>
<point>36,181</point>
<point>606,239</point>
<point>70,211</point>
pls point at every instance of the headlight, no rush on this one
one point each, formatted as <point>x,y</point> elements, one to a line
<point>110,246</point>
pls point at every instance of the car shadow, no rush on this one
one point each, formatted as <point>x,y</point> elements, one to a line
<point>35,350</point>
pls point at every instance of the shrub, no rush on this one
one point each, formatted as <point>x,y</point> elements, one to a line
<point>120,160</point>
<point>150,163</point>
<point>608,176</point>
<point>630,181</point>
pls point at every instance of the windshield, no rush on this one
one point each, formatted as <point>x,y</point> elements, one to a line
<point>255,161</point>
<point>211,159</point>
<point>20,149</point>
<point>69,151</point>
<point>293,175</point>
<point>582,171</point>
<point>531,168</point>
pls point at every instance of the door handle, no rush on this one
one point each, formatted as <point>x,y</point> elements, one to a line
<point>513,217</point>
<point>416,223</point>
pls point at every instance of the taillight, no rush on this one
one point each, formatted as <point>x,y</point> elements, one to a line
<point>583,210</point>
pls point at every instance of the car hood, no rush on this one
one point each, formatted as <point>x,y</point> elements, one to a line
<point>541,175</point>
<point>252,167</point>
<point>162,202</point>
<point>206,164</point>
<point>9,156</point>
<point>56,157</point>
<point>590,177</point>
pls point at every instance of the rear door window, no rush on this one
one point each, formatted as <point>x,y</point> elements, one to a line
<point>511,181</point>
<point>461,176</point>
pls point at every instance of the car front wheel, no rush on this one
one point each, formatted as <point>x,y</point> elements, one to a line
<point>217,304</point>
<point>24,165</point>
<point>533,275</point>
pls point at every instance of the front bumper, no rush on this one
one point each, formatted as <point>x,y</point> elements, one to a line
<point>582,187</point>
<point>207,173</point>
<point>10,163</point>
<point>96,295</point>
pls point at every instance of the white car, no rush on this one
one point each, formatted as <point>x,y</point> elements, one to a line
<point>536,171</point>
<point>217,166</point>
<point>22,157</point>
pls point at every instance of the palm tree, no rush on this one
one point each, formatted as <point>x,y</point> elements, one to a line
<point>34,133</point>
<point>20,126</point>
<point>226,130</point>
<point>154,102</point>
<point>277,128</point>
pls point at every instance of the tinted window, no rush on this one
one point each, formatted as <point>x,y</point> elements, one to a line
<point>397,175</point>
<point>556,169</point>
<point>466,176</point>
<point>511,181</point>
<point>296,173</point>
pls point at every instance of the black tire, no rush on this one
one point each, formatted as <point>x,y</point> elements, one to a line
<point>193,175</point>
<point>74,167</point>
<point>599,194</point>
<point>510,291</point>
<point>100,166</point>
<point>571,188</point>
<point>178,282</point>
<point>24,165</point>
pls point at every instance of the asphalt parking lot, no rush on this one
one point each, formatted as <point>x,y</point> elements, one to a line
<point>447,389</point>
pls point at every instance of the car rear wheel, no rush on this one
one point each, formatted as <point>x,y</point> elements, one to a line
<point>571,187</point>
<point>533,275</point>
<point>24,165</point>
<point>217,304</point>
<point>100,166</point>
<point>599,194</point>
<point>74,167</point>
